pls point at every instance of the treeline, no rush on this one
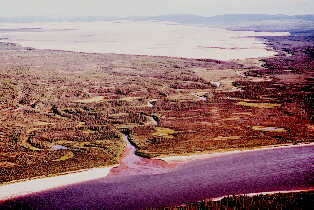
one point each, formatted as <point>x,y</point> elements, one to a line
<point>298,200</point>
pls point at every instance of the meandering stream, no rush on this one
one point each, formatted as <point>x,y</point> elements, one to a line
<point>138,182</point>
<point>202,98</point>
<point>132,164</point>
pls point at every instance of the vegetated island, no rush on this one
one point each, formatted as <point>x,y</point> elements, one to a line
<point>62,111</point>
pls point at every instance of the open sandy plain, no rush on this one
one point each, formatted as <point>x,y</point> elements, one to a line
<point>140,38</point>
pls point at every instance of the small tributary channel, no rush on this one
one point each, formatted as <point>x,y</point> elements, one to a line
<point>132,164</point>
<point>202,98</point>
<point>149,104</point>
<point>154,120</point>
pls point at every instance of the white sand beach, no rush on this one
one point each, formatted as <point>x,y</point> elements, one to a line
<point>190,157</point>
<point>13,190</point>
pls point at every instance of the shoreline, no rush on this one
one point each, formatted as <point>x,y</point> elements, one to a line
<point>203,155</point>
<point>265,193</point>
<point>24,186</point>
<point>38,184</point>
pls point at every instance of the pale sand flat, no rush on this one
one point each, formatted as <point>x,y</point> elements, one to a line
<point>41,184</point>
<point>184,158</point>
<point>143,38</point>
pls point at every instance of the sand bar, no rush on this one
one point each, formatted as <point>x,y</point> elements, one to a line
<point>183,158</point>
<point>41,184</point>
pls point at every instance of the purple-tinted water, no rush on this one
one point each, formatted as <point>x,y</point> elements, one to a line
<point>58,147</point>
<point>248,172</point>
<point>131,164</point>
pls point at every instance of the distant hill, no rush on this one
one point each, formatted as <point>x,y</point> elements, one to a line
<point>183,18</point>
<point>30,19</point>
<point>256,22</point>
<point>231,18</point>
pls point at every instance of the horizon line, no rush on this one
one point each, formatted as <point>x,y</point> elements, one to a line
<point>140,16</point>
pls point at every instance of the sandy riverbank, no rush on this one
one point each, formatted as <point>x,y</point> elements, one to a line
<point>198,156</point>
<point>12,190</point>
<point>251,172</point>
<point>22,188</point>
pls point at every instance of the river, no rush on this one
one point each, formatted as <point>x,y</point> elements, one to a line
<point>277,169</point>
<point>131,164</point>
<point>139,182</point>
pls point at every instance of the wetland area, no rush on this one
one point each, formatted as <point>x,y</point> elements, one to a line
<point>95,112</point>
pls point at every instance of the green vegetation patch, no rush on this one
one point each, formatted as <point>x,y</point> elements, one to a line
<point>67,156</point>
<point>164,132</point>
<point>259,105</point>
<point>269,129</point>
<point>91,100</point>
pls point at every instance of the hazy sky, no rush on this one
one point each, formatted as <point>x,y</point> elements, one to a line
<point>151,7</point>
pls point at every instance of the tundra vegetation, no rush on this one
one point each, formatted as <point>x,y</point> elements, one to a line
<point>62,111</point>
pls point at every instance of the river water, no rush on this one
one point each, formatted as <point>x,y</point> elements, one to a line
<point>131,164</point>
<point>277,169</point>
<point>140,182</point>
